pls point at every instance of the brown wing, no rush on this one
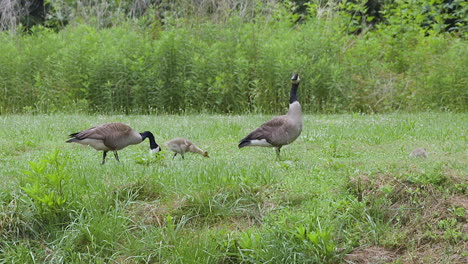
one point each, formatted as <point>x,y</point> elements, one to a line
<point>93,133</point>
<point>105,132</point>
<point>270,130</point>
<point>116,135</point>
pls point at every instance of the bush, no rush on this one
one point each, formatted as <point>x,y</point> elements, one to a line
<point>234,66</point>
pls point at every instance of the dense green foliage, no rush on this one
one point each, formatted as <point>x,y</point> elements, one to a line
<point>235,65</point>
<point>346,185</point>
<point>435,15</point>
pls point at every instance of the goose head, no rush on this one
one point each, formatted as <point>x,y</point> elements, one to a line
<point>295,78</point>
<point>155,150</point>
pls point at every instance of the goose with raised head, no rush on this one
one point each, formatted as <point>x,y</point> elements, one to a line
<point>112,137</point>
<point>182,145</point>
<point>281,130</point>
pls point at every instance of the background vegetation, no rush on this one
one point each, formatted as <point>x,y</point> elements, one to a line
<point>232,56</point>
<point>345,192</point>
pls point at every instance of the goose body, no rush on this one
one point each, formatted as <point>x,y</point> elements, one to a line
<point>182,146</point>
<point>112,137</point>
<point>281,130</point>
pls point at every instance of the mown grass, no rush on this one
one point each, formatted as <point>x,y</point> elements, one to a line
<point>345,191</point>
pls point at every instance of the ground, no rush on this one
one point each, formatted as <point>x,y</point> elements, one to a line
<point>345,192</point>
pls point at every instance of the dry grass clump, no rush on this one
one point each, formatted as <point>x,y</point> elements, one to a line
<point>219,209</point>
<point>430,220</point>
<point>155,212</point>
<point>370,255</point>
<point>433,253</point>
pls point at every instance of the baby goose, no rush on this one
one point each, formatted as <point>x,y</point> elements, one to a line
<point>419,152</point>
<point>182,145</point>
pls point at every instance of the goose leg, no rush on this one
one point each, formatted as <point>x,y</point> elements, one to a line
<point>116,156</point>
<point>104,154</point>
<point>182,156</point>
<point>175,154</point>
<point>278,149</point>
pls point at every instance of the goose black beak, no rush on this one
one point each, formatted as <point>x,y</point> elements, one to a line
<point>295,77</point>
<point>156,150</point>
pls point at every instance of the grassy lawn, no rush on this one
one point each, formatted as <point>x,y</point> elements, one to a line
<point>344,192</point>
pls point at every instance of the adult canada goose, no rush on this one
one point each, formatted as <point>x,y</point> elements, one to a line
<point>112,137</point>
<point>182,145</point>
<point>281,130</point>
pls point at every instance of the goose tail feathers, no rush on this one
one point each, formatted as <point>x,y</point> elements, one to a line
<point>73,134</point>
<point>244,142</point>
<point>73,138</point>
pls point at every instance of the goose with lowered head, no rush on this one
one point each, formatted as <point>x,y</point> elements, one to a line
<point>182,145</point>
<point>112,137</point>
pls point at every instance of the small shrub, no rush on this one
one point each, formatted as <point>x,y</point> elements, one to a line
<point>319,241</point>
<point>44,185</point>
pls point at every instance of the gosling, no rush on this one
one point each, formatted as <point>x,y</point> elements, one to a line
<point>182,145</point>
<point>419,153</point>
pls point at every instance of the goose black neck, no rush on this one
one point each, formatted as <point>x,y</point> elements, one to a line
<point>150,136</point>
<point>293,97</point>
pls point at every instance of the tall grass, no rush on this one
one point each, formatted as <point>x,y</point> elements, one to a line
<point>232,67</point>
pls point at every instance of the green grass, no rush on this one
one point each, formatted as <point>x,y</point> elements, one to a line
<point>346,185</point>
<point>234,67</point>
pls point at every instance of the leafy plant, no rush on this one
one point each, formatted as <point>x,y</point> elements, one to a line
<point>319,241</point>
<point>44,184</point>
<point>157,158</point>
<point>452,231</point>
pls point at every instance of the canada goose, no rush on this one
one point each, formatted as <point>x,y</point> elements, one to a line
<point>281,130</point>
<point>419,152</point>
<point>182,145</point>
<point>112,137</point>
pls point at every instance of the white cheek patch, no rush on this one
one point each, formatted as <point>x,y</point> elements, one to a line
<point>294,104</point>
<point>259,143</point>
<point>156,150</point>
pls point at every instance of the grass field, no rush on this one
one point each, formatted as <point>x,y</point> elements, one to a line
<point>344,192</point>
